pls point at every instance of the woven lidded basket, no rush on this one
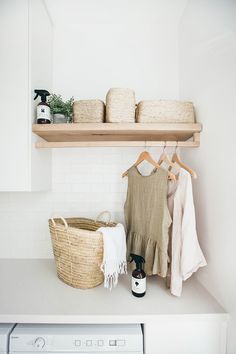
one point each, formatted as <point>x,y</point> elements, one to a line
<point>120,106</point>
<point>88,111</point>
<point>78,250</point>
<point>165,111</point>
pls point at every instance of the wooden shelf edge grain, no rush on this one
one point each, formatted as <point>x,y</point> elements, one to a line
<point>75,144</point>
<point>117,134</point>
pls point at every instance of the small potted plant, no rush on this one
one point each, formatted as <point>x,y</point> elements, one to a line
<point>60,109</point>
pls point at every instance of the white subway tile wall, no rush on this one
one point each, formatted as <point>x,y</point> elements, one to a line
<point>85,182</point>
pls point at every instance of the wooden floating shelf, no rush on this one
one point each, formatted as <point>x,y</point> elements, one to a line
<point>117,134</point>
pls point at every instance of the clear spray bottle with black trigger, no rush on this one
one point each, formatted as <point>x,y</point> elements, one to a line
<point>138,276</point>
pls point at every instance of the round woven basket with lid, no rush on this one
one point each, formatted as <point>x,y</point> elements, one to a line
<point>78,250</point>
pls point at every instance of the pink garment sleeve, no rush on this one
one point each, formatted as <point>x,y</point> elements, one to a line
<point>191,254</point>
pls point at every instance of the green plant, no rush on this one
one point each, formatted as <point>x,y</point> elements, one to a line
<point>57,105</point>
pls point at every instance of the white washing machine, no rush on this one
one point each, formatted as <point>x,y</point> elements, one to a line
<point>63,339</point>
<point>5,330</point>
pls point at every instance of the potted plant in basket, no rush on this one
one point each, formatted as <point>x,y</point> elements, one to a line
<point>60,109</point>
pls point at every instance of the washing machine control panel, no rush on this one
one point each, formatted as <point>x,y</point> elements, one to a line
<point>77,339</point>
<point>84,344</point>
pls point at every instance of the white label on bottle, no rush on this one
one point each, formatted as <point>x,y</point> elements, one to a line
<point>138,285</point>
<point>43,112</point>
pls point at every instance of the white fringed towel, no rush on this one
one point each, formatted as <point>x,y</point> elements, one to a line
<point>114,254</point>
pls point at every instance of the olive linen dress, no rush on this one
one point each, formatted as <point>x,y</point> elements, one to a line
<point>147,219</point>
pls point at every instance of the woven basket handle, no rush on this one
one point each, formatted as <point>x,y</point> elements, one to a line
<point>63,220</point>
<point>103,213</point>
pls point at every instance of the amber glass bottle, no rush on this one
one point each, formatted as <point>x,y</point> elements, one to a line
<point>138,276</point>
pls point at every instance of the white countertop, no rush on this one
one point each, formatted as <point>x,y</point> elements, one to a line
<point>31,292</point>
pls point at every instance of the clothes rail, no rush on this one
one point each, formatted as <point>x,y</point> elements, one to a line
<point>75,144</point>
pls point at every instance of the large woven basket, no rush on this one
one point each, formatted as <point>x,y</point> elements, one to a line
<point>165,111</point>
<point>88,111</point>
<point>78,250</point>
<point>120,106</point>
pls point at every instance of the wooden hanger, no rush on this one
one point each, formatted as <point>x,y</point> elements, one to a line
<point>165,158</point>
<point>176,159</point>
<point>145,156</point>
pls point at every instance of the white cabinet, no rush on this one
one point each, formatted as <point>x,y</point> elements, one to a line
<point>191,334</point>
<point>25,64</point>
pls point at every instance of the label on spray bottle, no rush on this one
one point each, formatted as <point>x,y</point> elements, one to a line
<point>43,112</point>
<point>138,285</point>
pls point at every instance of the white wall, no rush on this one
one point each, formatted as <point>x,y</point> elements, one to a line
<point>85,182</point>
<point>98,45</point>
<point>208,77</point>
<point>133,44</point>
<point>91,58</point>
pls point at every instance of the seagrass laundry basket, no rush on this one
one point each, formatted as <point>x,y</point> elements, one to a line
<point>78,250</point>
<point>120,106</point>
<point>165,111</point>
<point>88,111</point>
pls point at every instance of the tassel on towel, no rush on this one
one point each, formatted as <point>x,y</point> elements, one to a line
<point>114,254</point>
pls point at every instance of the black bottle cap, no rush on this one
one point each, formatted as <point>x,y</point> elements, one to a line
<point>43,94</point>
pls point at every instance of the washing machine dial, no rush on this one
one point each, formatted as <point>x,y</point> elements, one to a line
<point>39,343</point>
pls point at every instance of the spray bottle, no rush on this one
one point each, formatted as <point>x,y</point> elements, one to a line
<point>138,276</point>
<point>43,109</point>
